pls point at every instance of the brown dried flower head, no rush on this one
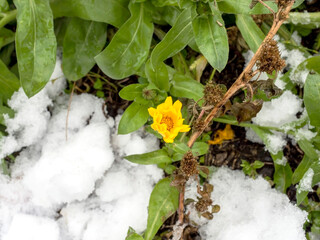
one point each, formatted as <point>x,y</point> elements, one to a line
<point>203,204</point>
<point>270,58</point>
<point>189,165</point>
<point>213,93</point>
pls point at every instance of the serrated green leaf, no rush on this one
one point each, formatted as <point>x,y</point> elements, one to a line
<point>158,75</point>
<point>114,12</point>
<point>212,39</point>
<point>35,44</point>
<point>155,157</point>
<point>129,47</point>
<point>251,33</point>
<point>9,83</point>
<point>175,40</point>
<point>183,86</point>
<point>82,42</point>
<point>134,117</point>
<point>163,203</point>
<point>311,98</point>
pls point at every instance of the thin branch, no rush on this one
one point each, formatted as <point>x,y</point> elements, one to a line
<point>247,73</point>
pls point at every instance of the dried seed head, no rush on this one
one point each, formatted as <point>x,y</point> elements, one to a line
<point>198,125</point>
<point>189,165</point>
<point>270,58</point>
<point>203,204</point>
<point>215,208</point>
<point>213,93</point>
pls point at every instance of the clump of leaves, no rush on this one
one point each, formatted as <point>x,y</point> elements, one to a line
<point>250,169</point>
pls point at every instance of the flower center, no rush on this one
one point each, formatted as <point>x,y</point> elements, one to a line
<point>168,121</point>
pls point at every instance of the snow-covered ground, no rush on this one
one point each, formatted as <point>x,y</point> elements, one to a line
<point>83,189</point>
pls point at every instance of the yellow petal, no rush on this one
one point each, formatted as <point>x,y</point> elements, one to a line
<point>152,111</point>
<point>185,128</point>
<point>168,102</point>
<point>177,106</point>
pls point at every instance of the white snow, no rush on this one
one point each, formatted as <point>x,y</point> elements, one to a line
<point>251,210</point>
<point>275,142</point>
<point>79,188</point>
<point>28,227</point>
<point>283,161</point>
<point>82,188</point>
<point>279,111</point>
<point>305,183</point>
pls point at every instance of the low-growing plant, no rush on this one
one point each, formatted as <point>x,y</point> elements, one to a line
<point>167,46</point>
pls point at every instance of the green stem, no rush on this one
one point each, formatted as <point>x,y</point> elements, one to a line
<point>212,74</point>
<point>8,17</point>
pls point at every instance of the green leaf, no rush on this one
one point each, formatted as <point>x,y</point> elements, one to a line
<point>311,64</point>
<point>114,12</point>
<point>303,167</point>
<point>251,33</point>
<point>282,176</point>
<point>60,28</point>
<point>158,75</point>
<point>243,7</point>
<point>212,39</point>
<point>82,42</point>
<point>162,3</point>
<point>4,6</point>
<point>133,118</point>
<point>129,47</point>
<point>134,236</point>
<point>35,44</point>
<point>163,203</point>
<point>257,164</point>
<point>311,98</point>
<point>6,37</point>
<point>9,83</point>
<point>155,157</point>
<point>200,148</point>
<point>6,52</point>
<point>183,86</point>
<point>301,196</point>
<point>175,40</point>
<point>132,91</point>
<point>5,110</point>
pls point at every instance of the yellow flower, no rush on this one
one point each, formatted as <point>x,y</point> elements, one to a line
<point>167,119</point>
<point>221,135</point>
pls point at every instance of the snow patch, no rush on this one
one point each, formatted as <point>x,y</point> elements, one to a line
<point>251,210</point>
<point>279,111</point>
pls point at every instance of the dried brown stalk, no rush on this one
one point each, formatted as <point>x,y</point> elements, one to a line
<point>241,82</point>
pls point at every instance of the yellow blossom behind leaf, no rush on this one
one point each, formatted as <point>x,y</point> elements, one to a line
<point>221,135</point>
<point>167,119</point>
